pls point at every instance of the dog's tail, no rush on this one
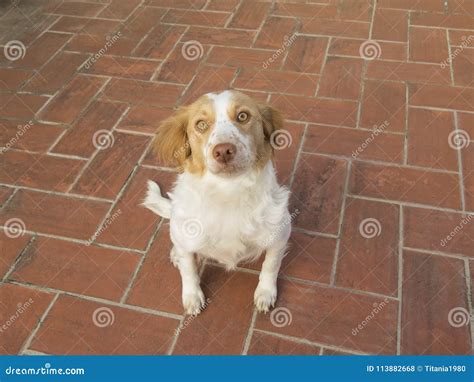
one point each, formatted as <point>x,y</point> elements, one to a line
<point>155,202</point>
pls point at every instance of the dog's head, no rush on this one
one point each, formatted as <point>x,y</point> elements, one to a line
<point>225,133</point>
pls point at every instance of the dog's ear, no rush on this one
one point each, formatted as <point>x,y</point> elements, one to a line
<point>171,143</point>
<point>272,120</point>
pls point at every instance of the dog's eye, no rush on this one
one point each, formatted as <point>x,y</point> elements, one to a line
<point>202,126</point>
<point>242,116</point>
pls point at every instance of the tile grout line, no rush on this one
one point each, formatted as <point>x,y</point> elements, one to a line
<point>400,278</point>
<point>345,195</point>
<point>30,338</point>
<point>462,188</point>
<point>248,337</point>
<point>469,298</point>
<point>18,259</point>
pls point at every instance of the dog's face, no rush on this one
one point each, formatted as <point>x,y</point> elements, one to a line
<point>224,133</point>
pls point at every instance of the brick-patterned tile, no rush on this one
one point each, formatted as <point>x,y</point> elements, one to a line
<point>55,214</point>
<point>334,112</point>
<point>405,184</point>
<point>222,5</point>
<point>92,44</point>
<point>384,101</point>
<point>428,45</point>
<point>186,4</point>
<point>69,24</point>
<point>341,78</point>
<point>70,101</point>
<point>141,22</point>
<point>241,57</point>
<point>5,194</point>
<point>122,67</point>
<point>34,137</point>
<point>438,231</point>
<point>408,71</point>
<point>285,157</point>
<point>277,81</point>
<point>77,9</point>
<point>391,25</point>
<point>428,139</point>
<point>463,68</point>
<point>159,42</point>
<point>158,274</point>
<point>432,286</point>
<point>368,253</point>
<point>466,123</point>
<point>317,193</point>
<point>306,54</point>
<point>355,143</point>
<point>458,37</point>
<point>79,139</point>
<point>231,37</point>
<point>468,172</point>
<point>447,97</point>
<point>350,47</point>
<point>250,15</point>
<point>22,106</point>
<point>13,79</point>
<point>33,305</point>
<point>330,28</point>
<point>42,50</point>
<point>440,20</point>
<point>78,268</point>
<point>329,316</point>
<point>209,79</point>
<point>58,71</point>
<point>212,332</point>
<point>419,5</point>
<point>38,170</point>
<point>144,119</point>
<point>178,68</point>
<point>130,212</point>
<point>69,329</point>
<point>118,9</point>
<point>11,248</point>
<point>275,32</point>
<point>110,168</point>
<point>189,17</point>
<point>265,344</point>
<point>141,92</point>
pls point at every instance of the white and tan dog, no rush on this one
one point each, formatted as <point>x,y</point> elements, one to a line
<point>226,204</point>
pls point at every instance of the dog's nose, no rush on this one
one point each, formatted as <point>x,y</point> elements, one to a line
<point>224,152</point>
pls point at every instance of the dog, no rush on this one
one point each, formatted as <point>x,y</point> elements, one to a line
<point>226,204</point>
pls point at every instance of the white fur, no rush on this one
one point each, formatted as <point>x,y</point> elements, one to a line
<point>227,219</point>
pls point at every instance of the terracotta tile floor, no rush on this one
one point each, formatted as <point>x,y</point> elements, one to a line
<point>375,150</point>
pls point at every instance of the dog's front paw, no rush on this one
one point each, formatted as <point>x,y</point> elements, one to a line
<point>264,298</point>
<point>193,302</point>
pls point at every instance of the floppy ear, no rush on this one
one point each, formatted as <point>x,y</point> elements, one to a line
<point>272,120</point>
<point>171,143</point>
